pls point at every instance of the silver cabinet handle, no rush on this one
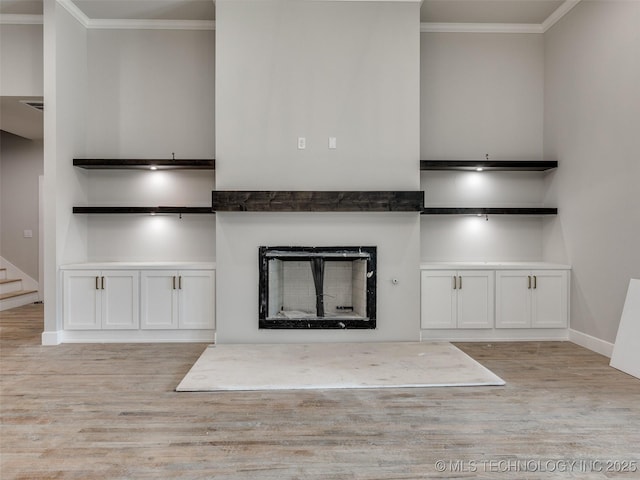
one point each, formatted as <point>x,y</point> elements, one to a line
<point>459,283</point>
<point>180,282</point>
<point>535,282</point>
<point>102,282</point>
<point>454,282</point>
<point>174,283</point>
<point>528,281</point>
<point>97,284</point>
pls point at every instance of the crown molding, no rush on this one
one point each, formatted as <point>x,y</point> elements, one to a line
<point>75,12</point>
<point>15,19</point>
<point>425,27</point>
<point>127,24</point>
<point>551,20</point>
<point>480,28</point>
<point>560,12</point>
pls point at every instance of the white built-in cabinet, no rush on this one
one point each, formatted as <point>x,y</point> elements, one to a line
<point>457,299</point>
<point>494,300</point>
<point>532,299</point>
<point>177,299</point>
<point>101,300</point>
<point>120,302</point>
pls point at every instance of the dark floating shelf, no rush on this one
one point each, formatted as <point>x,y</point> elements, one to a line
<point>143,164</point>
<point>317,201</point>
<point>493,165</point>
<point>144,210</point>
<point>489,211</point>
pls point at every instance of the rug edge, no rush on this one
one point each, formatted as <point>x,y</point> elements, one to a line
<point>496,382</point>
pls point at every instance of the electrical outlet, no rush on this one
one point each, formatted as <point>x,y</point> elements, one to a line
<point>28,234</point>
<point>333,143</point>
<point>302,143</point>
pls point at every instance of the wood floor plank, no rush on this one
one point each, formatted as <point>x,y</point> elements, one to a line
<point>110,411</point>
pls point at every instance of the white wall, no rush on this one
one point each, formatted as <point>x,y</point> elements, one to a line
<point>481,93</point>
<point>142,237</point>
<point>152,94</point>
<point>21,60</point>
<point>21,163</point>
<point>469,238</point>
<point>314,70</point>
<point>71,103</point>
<point>65,94</point>
<point>592,107</point>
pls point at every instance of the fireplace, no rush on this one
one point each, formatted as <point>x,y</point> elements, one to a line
<point>317,287</point>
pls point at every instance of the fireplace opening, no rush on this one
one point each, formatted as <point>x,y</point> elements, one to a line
<point>317,287</point>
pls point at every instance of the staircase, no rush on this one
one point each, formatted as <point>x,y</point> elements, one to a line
<point>12,294</point>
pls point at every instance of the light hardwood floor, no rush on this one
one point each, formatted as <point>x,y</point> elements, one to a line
<point>110,412</point>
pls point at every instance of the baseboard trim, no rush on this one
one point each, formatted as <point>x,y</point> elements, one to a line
<point>137,336</point>
<point>51,338</point>
<point>524,335</point>
<point>496,335</point>
<point>592,343</point>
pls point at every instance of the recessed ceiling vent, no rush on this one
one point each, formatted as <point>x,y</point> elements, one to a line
<point>37,104</point>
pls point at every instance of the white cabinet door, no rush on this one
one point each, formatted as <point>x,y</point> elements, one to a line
<point>532,299</point>
<point>82,300</point>
<point>159,298</point>
<point>177,299</point>
<point>438,299</point>
<point>120,307</point>
<point>550,299</point>
<point>513,299</point>
<point>457,299</point>
<point>196,305</point>
<point>95,300</point>
<point>475,299</point>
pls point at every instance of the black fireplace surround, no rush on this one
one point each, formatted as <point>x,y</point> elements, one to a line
<point>343,316</point>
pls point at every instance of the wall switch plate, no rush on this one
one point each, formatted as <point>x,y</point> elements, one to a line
<point>333,143</point>
<point>302,143</point>
<point>28,234</point>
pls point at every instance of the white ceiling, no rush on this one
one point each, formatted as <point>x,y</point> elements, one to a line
<point>437,11</point>
<point>21,7</point>
<point>488,11</point>
<point>148,9</point>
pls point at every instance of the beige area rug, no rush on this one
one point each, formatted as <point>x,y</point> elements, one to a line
<point>334,365</point>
